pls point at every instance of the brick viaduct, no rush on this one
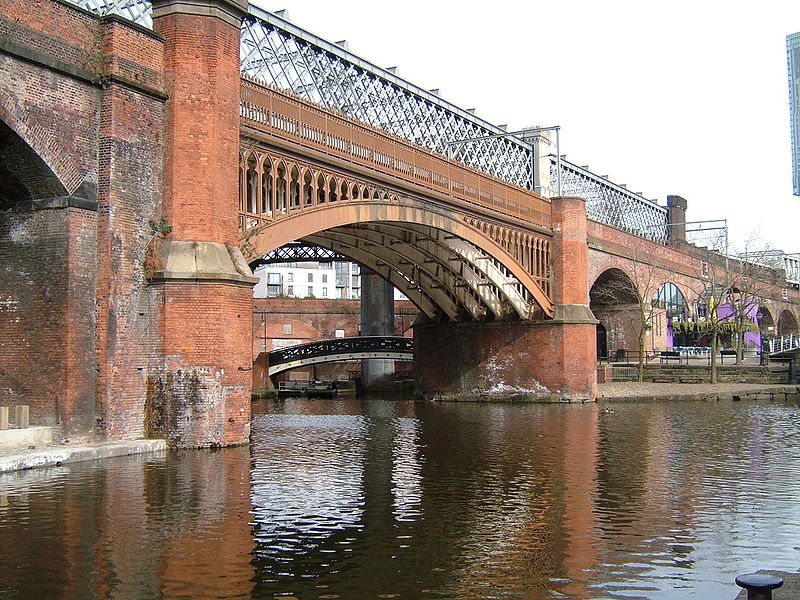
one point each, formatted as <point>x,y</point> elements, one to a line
<point>125,298</point>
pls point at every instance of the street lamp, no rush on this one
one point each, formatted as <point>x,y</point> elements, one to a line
<point>759,316</point>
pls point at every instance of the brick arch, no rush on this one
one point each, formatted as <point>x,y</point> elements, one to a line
<point>767,322</point>
<point>305,224</point>
<point>613,299</point>
<point>788,323</point>
<point>56,173</point>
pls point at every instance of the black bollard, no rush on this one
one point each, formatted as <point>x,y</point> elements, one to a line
<point>759,586</point>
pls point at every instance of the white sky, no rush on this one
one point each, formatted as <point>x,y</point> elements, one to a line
<point>686,97</point>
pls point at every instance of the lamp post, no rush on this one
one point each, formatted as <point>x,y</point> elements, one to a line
<point>763,358</point>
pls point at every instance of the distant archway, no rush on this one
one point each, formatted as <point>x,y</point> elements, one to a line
<point>787,323</point>
<point>614,300</point>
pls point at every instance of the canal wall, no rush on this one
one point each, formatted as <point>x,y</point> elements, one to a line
<point>774,374</point>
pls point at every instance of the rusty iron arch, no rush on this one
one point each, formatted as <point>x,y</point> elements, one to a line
<point>493,286</point>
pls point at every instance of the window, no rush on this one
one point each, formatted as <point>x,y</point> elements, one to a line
<point>324,278</point>
<point>290,290</point>
<point>310,278</point>
<point>339,333</point>
<point>273,278</point>
<point>290,277</point>
<point>324,292</point>
<point>287,329</point>
<point>310,291</point>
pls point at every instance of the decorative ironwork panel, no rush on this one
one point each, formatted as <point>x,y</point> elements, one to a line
<point>612,204</point>
<point>350,345</point>
<point>299,252</point>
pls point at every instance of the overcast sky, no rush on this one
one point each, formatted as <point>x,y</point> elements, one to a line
<point>680,97</point>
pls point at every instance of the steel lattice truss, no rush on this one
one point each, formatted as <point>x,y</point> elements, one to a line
<point>612,204</point>
<point>299,252</point>
<point>138,11</point>
<point>281,54</point>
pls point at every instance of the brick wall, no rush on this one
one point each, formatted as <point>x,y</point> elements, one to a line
<point>82,101</point>
<point>537,359</point>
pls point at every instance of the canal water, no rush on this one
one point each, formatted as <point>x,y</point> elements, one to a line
<point>376,499</point>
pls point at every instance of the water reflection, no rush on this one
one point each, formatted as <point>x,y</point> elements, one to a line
<point>155,527</point>
<point>349,499</point>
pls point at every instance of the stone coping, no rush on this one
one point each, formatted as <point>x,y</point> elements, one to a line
<point>53,456</point>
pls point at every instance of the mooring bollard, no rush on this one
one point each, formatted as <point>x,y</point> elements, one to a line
<point>22,416</point>
<point>3,417</point>
<point>759,586</point>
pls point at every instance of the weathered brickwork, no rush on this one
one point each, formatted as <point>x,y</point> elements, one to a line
<point>202,166</point>
<point>201,395</point>
<point>48,317</point>
<point>86,131</point>
<point>534,359</point>
<point>131,150</point>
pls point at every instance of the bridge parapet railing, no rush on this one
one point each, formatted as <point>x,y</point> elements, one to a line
<point>341,346</point>
<point>290,118</point>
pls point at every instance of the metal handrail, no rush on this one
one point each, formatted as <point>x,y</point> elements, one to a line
<point>349,345</point>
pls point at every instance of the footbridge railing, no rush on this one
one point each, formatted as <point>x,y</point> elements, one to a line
<point>340,349</point>
<point>786,343</point>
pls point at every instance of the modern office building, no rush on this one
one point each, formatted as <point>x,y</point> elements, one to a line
<point>793,52</point>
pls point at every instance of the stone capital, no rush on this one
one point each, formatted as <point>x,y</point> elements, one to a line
<point>203,261</point>
<point>230,11</point>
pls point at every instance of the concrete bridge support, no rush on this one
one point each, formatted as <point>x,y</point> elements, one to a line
<point>553,358</point>
<point>377,318</point>
<point>200,395</point>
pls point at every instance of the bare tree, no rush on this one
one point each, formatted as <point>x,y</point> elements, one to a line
<point>733,294</point>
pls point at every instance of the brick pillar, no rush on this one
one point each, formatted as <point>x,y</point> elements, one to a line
<point>201,395</point>
<point>574,336</point>
<point>677,219</point>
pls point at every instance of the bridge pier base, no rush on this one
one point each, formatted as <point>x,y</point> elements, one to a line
<point>201,395</point>
<point>552,359</point>
<point>545,360</point>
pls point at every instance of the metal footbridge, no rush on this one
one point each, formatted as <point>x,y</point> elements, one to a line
<point>784,346</point>
<point>340,349</point>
